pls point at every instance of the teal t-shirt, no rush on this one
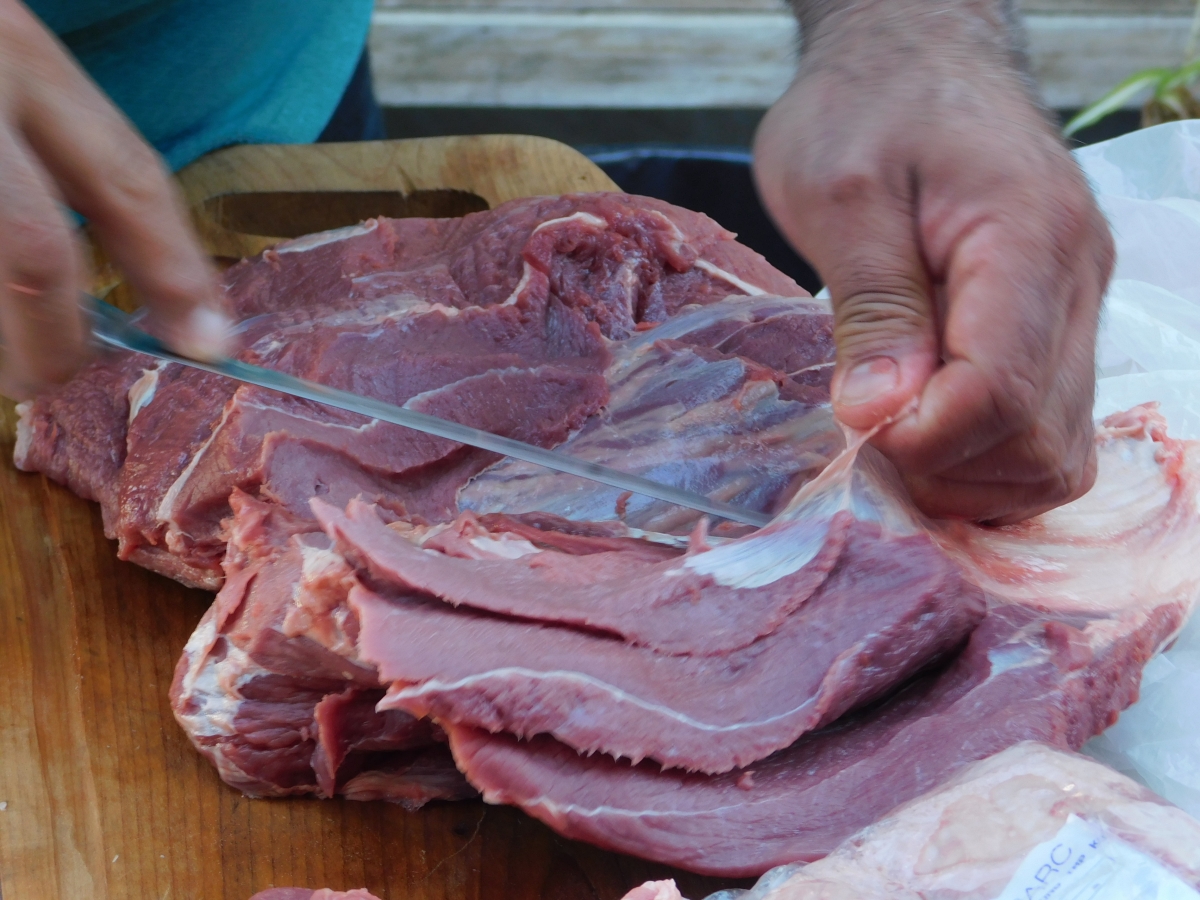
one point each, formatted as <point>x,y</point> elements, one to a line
<point>195,75</point>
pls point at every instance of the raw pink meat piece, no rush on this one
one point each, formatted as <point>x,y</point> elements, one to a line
<point>279,712</point>
<point>1083,597</point>
<point>456,316</point>
<point>602,324</point>
<point>657,604</point>
<point>889,609</point>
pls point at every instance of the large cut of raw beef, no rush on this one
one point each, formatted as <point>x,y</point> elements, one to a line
<point>501,319</point>
<point>404,618</point>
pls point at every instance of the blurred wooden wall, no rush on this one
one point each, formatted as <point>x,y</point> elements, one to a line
<point>703,53</point>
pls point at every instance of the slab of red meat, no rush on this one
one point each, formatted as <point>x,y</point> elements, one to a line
<point>685,687</point>
<point>1081,598</point>
<point>494,319</point>
<point>310,894</point>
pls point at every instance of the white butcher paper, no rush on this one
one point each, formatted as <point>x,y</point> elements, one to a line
<point>1148,184</point>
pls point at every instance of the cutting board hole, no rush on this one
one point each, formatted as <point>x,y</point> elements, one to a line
<point>289,214</point>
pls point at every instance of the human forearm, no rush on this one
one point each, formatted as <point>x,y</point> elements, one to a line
<point>888,28</point>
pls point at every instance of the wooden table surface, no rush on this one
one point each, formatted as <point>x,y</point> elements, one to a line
<point>103,798</point>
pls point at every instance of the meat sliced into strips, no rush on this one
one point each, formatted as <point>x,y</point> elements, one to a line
<point>499,305</point>
<point>270,690</point>
<point>1075,616</point>
<point>888,609</point>
<point>662,605</point>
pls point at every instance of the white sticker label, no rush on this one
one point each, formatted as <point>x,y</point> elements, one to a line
<point>1081,862</point>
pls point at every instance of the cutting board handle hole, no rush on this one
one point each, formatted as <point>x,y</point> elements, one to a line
<point>289,214</point>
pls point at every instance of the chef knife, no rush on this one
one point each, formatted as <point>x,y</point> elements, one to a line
<point>114,328</point>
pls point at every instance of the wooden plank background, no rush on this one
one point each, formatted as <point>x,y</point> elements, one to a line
<point>703,53</point>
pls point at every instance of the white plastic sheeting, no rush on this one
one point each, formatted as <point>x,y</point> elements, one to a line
<point>1148,184</point>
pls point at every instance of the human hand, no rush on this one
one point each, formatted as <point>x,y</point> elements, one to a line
<point>965,255</point>
<point>63,143</point>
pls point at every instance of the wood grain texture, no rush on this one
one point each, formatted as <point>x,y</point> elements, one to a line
<point>493,168</point>
<point>101,795</point>
<point>627,56</point>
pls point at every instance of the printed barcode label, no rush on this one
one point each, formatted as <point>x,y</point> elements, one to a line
<point>1081,862</point>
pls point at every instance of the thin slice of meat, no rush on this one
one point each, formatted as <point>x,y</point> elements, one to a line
<point>662,605</point>
<point>280,705</point>
<point>684,414</point>
<point>888,609</point>
<point>1076,615</point>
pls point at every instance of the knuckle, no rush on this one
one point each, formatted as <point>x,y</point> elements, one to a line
<point>894,303</point>
<point>1016,399</point>
<point>41,250</point>
<point>133,180</point>
<point>850,186</point>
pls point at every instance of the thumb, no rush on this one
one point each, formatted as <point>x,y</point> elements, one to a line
<point>885,317</point>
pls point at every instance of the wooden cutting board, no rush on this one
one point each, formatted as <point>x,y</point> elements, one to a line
<point>101,795</point>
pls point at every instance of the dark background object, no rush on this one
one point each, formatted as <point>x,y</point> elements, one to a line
<point>715,182</point>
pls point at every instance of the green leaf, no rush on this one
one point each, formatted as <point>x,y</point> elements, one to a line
<point>1117,98</point>
<point>1181,77</point>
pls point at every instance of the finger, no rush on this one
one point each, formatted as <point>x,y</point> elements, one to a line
<point>41,269</point>
<point>857,230</point>
<point>1015,295</point>
<point>111,176</point>
<point>998,504</point>
<point>1053,462</point>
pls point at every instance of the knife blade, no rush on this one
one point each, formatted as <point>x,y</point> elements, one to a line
<point>115,328</point>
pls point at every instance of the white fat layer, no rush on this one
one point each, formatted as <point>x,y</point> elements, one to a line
<point>814,367</point>
<point>585,217</point>
<point>526,274</point>
<point>1064,559</point>
<point>206,684</point>
<point>142,391</point>
<point>165,506</point>
<point>729,278</point>
<point>503,546</point>
<point>792,540</point>
<point>315,561</point>
<point>676,235</point>
<point>312,241</point>
<point>437,686</point>
<point>24,435</point>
